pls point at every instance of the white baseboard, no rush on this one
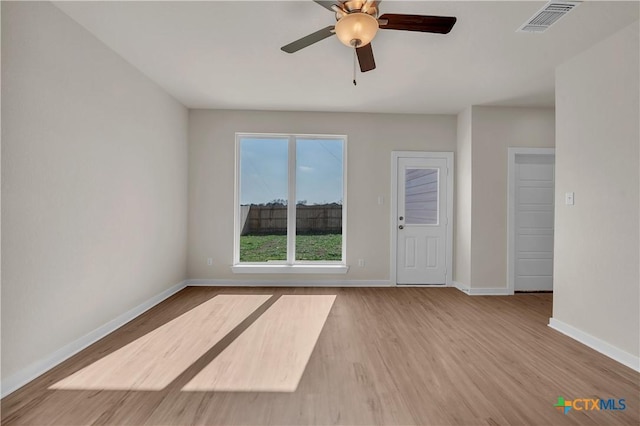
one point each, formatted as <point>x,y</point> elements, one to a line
<point>597,344</point>
<point>24,376</point>
<point>420,285</point>
<point>287,283</point>
<point>481,291</point>
<point>462,287</point>
<point>489,292</point>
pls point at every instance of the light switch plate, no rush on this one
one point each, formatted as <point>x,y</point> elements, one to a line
<point>568,198</point>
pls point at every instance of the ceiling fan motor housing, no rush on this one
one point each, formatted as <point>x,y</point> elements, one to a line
<point>363,6</point>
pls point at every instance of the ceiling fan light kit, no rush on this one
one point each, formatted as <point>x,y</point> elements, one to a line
<point>356,29</point>
<point>357,24</point>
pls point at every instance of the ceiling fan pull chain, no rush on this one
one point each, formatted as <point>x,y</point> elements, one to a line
<point>354,66</point>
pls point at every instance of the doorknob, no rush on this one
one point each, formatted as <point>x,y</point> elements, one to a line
<point>401,218</point>
<point>401,227</point>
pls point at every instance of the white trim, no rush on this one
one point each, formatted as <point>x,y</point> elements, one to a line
<point>488,292</point>
<point>291,193</point>
<point>345,197</point>
<point>291,206</point>
<point>422,285</point>
<point>287,283</point>
<point>511,211</point>
<point>460,286</point>
<point>448,156</point>
<point>29,373</point>
<point>481,291</point>
<point>236,202</point>
<point>597,344</point>
<point>289,269</point>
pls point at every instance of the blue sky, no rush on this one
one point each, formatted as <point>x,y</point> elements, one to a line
<point>263,166</point>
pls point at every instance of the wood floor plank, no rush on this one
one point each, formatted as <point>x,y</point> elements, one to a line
<point>157,358</point>
<point>271,355</point>
<point>386,356</point>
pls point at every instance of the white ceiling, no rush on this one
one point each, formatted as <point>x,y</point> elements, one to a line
<point>227,54</point>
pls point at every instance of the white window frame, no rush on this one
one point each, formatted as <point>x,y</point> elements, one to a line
<point>291,265</point>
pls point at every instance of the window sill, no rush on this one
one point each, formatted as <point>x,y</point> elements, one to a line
<point>290,269</point>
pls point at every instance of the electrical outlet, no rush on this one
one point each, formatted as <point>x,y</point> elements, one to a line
<point>361,263</point>
<point>210,261</point>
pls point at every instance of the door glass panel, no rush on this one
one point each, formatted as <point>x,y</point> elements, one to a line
<point>421,196</point>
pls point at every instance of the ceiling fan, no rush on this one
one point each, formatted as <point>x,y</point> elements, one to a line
<point>358,22</point>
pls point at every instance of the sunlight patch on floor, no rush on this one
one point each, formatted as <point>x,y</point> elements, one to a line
<point>271,355</point>
<point>154,360</point>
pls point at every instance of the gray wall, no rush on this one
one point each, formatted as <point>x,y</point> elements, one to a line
<point>94,185</point>
<point>484,135</point>
<point>462,228</point>
<point>371,138</point>
<point>494,129</point>
<point>597,246</point>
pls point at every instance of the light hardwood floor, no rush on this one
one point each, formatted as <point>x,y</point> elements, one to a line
<point>384,356</point>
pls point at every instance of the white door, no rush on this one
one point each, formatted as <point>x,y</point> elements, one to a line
<point>534,213</point>
<point>421,221</point>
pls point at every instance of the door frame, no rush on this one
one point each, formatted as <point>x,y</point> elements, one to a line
<point>511,207</point>
<point>448,156</point>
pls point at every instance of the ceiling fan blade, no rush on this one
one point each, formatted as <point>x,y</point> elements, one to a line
<point>365,58</point>
<point>309,40</point>
<point>422,23</point>
<point>327,4</point>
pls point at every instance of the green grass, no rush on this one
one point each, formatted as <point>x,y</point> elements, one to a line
<point>261,248</point>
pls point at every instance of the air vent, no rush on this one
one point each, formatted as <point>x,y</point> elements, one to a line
<point>547,16</point>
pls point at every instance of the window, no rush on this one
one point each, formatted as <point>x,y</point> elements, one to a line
<point>421,196</point>
<point>290,203</point>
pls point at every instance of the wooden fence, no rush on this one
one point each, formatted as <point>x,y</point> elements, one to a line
<point>269,220</point>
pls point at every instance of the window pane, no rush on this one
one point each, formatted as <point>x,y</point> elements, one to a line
<point>421,196</point>
<point>319,174</point>
<point>263,199</point>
